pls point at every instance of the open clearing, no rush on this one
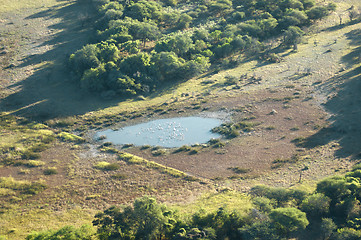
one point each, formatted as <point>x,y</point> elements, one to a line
<point>310,97</point>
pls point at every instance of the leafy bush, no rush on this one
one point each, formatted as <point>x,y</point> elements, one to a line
<point>28,154</point>
<point>50,171</point>
<point>105,166</point>
<point>34,163</point>
<point>68,137</point>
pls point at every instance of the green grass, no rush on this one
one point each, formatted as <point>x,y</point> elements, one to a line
<point>232,200</point>
<point>18,5</point>
<point>132,159</point>
<point>24,220</point>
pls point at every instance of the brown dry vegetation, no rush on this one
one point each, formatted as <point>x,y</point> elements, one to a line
<point>307,107</point>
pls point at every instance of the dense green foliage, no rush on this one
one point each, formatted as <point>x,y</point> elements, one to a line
<point>278,213</point>
<point>143,44</point>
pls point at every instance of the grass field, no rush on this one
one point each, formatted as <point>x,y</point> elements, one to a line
<point>18,5</point>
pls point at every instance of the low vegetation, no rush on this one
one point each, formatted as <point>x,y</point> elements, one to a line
<point>17,190</point>
<point>22,140</point>
<point>105,166</point>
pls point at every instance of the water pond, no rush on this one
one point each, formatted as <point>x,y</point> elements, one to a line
<point>171,132</point>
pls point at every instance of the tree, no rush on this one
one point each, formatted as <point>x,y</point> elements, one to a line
<point>146,219</point>
<point>196,66</point>
<point>316,205</point>
<point>259,230</point>
<point>317,12</point>
<point>288,220</point>
<point>94,79</point>
<point>292,36</point>
<point>143,10</point>
<point>84,59</point>
<point>167,66</point>
<point>327,227</point>
<point>144,31</point>
<point>347,234</point>
<point>338,189</point>
<point>221,7</point>
<point>179,44</point>
<point>184,21</point>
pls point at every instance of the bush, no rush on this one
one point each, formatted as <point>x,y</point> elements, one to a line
<point>317,12</point>
<point>159,152</point>
<point>68,137</point>
<point>288,220</point>
<point>316,205</point>
<point>34,163</point>
<point>119,176</point>
<point>28,154</point>
<point>105,166</point>
<point>50,171</point>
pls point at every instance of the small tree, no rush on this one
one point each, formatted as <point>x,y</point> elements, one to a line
<point>184,21</point>
<point>288,220</point>
<point>327,228</point>
<point>292,36</point>
<point>146,219</point>
<point>316,205</point>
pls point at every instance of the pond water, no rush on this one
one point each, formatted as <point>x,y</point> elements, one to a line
<point>171,132</point>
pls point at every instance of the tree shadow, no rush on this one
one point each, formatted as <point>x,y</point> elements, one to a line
<point>344,105</point>
<point>51,90</point>
<point>343,25</point>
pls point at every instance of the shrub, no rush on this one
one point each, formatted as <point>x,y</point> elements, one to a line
<point>193,151</point>
<point>184,148</point>
<point>119,176</point>
<point>159,152</point>
<point>34,163</point>
<point>50,171</point>
<point>68,137</point>
<point>240,170</point>
<point>288,220</point>
<point>28,154</point>
<point>105,166</point>
<point>316,205</point>
<point>38,147</point>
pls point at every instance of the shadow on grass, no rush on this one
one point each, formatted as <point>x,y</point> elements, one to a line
<point>51,91</point>
<point>345,105</point>
<point>343,25</point>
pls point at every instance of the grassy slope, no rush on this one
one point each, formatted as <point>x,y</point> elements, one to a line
<point>10,6</point>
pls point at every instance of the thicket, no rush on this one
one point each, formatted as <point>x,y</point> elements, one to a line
<point>141,45</point>
<point>334,209</point>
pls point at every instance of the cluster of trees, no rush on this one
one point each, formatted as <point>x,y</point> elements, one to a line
<point>334,209</point>
<point>142,44</point>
